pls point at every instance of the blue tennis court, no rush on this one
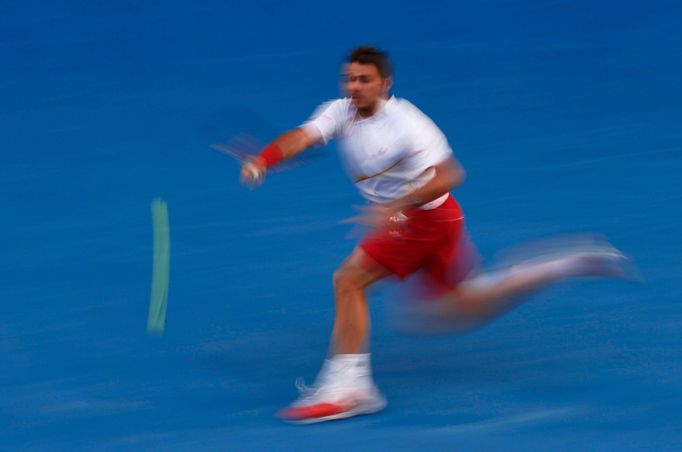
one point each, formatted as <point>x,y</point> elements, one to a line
<point>566,116</point>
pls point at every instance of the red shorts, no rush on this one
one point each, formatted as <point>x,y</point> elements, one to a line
<point>432,242</point>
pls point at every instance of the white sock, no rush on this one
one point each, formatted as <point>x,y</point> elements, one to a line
<point>349,365</point>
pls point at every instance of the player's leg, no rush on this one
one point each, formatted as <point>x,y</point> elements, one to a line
<point>494,294</point>
<point>352,320</point>
<point>485,297</point>
<point>344,387</point>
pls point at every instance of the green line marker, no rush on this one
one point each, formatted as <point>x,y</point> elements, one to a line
<point>161,269</point>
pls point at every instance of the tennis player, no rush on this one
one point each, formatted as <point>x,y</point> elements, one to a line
<point>401,163</point>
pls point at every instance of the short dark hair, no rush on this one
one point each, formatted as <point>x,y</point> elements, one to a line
<point>372,55</point>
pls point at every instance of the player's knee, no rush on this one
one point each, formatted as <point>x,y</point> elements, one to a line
<point>344,280</point>
<point>340,280</point>
<point>469,303</point>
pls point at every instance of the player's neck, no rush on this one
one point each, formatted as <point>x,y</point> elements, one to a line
<point>366,112</point>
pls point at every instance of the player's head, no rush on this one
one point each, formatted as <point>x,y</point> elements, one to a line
<point>368,77</point>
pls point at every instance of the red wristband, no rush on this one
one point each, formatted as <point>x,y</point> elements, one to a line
<point>271,155</point>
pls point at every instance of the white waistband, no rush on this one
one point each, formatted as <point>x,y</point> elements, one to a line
<point>435,203</point>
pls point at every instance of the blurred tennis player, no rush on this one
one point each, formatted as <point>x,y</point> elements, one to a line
<point>402,164</point>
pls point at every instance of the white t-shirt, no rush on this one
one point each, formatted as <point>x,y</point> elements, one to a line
<point>389,154</point>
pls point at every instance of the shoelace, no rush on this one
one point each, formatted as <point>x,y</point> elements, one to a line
<point>302,388</point>
<point>322,384</point>
<point>308,393</point>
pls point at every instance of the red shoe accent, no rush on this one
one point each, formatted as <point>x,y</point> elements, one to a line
<point>318,410</point>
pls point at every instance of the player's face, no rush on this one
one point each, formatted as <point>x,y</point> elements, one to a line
<point>365,86</point>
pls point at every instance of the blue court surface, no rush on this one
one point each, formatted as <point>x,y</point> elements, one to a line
<point>566,114</point>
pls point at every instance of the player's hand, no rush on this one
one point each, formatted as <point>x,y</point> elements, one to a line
<point>378,217</point>
<point>253,173</point>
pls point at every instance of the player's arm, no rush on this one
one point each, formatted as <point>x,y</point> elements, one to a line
<point>436,155</point>
<point>284,147</point>
<point>448,175</point>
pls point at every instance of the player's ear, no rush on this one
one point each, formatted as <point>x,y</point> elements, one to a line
<point>388,83</point>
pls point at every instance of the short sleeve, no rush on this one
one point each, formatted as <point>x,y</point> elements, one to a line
<point>328,119</point>
<point>427,142</point>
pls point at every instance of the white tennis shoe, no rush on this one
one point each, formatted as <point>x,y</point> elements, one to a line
<point>341,390</point>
